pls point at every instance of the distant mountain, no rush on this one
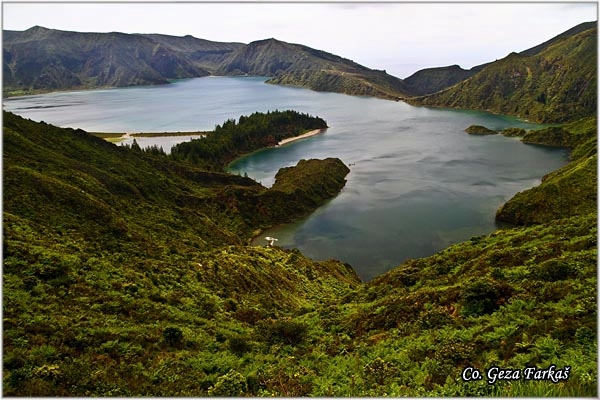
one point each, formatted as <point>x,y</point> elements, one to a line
<point>553,82</point>
<point>295,64</point>
<point>127,273</point>
<point>41,59</point>
<point>47,59</point>
<point>431,80</point>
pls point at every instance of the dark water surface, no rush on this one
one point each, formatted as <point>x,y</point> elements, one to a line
<point>418,182</point>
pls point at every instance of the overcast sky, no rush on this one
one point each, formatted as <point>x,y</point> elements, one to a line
<point>399,37</point>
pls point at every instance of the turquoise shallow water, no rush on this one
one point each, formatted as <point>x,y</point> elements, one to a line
<point>418,182</point>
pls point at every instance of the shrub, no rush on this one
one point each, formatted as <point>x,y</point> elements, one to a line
<point>585,336</point>
<point>173,336</point>
<point>480,298</point>
<point>434,318</point>
<point>48,372</point>
<point>283,331</point>
<point>554,270</point>
<point>378,370</point>
<point>248,315</point>
<point>239,345</point>
<point>232,384</point>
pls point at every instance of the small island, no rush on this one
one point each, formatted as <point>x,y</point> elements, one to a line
<point>479,130</point>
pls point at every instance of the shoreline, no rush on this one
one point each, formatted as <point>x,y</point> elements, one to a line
<point>115,137</point>
<point>314,132</point>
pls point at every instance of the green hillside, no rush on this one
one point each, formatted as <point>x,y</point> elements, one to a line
<point>432,80</point>
<point>126,274</point>
<point>555,83</point>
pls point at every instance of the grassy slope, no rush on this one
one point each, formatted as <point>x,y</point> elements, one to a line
<point>122,278</point>
<point>557,84</point>
<point>298,65</point>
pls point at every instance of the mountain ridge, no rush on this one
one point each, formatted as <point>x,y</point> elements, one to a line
<point>62,59</point>
<point>554,82</point>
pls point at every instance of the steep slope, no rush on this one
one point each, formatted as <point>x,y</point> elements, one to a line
<point>571,190</point>
<point>565,35</point>
<point>129,251</point>
<point>45,59</point>
<point>515,299</point>
<point>432,80</point>
<point>294,64</point>
<point>204,53</point>
<point>125,275</point>
<point>557,83</point>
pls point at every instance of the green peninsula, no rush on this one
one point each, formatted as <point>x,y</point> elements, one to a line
<point>234,138</point>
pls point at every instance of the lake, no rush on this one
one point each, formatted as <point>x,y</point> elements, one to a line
<point>418,182</point>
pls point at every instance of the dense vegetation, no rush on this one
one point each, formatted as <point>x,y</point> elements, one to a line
<point>572,189</point>
<point>233,139</point>
<point>105,245</point>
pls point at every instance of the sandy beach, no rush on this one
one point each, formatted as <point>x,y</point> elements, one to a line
<point>304,135</point>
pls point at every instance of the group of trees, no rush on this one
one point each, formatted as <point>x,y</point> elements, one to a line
<point>232,139</point>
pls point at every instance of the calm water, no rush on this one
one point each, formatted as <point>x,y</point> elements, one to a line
<point>418,182</point>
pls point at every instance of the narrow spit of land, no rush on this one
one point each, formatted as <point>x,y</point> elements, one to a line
<point>303,136</point>
<point>116,137</point>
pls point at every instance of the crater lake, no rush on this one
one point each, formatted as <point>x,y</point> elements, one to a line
<point>418,182</point>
